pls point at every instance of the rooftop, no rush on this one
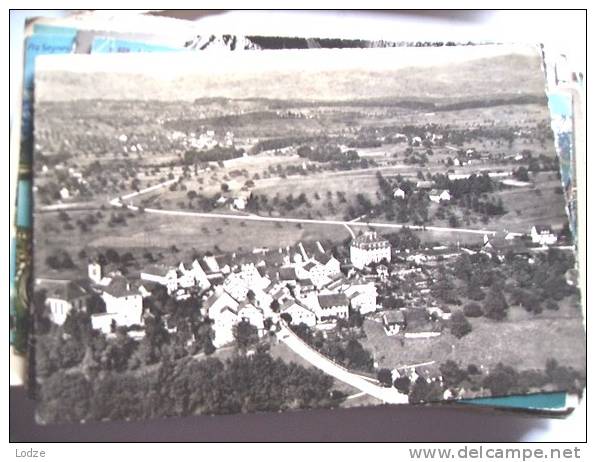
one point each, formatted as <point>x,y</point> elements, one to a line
<point>157,270</point>
<point>394,317</point>
<point>369,239</point>
<point>66,291</point>
<point>287,273</point>
<point>119,287</point>
<point>329,300</point>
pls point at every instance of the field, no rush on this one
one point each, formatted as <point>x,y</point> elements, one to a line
<point>138,144</point>
<point>520,341</point>
<point>158,233</point>
<point>527,206</point>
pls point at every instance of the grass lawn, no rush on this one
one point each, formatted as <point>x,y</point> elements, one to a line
<point>522,343</point>
<point>158,233</point>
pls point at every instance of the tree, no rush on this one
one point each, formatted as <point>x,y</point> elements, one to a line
<point>495,305</point>
<point>384,377</point>
<point>275,306</point>
<point>302,331</point>
<point>65,397</point>
<point>474,291</point>
<point>357,357</point>
<point>225,187</point>
<point>422,391</point>
<point>460,326</point>
<point>501,380</point>
<point>552,305</point>
<point>473,310</point>
<point>402,384</point>
<point>245,335</point>
<point>453,221</point>
<point>112,256</point>
<point>452,374</point>
<point>77,325</point>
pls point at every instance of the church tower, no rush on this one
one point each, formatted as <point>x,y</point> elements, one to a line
<point>94,271</point>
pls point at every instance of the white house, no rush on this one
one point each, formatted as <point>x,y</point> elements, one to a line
<point>368,248</point>
<point>543,235</point>
<point>443,313</point>
<point>330,265</point>
<point>199,275</point>
<point>333,306</point>
<point>263,300</point>
<point>317,272</point>
<point>177,280</point>
<point>223,310</point>
<point>393,322</point>
<point>363,297</point>
<point>64,193</point>
<point>438,196</point>
<point>62,298</point>
<point>299,313</point>
<point>241,200</point>
<point>399,193</point>
<point>192,277</point>
<point>162,275</point>
<point>251,314</point>
<point>236,286</point>
<point>425,184</point>
<point>124,306</point>
<point>211,263</point>
<point>94,271</point>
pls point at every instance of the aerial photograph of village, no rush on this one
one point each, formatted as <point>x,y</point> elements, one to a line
<point>298,229</point>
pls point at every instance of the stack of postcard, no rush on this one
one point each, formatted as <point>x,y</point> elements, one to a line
<point>300,224</point>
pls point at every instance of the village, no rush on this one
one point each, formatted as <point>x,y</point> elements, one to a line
<point>307,293</point>
<point>303,286</point>
<point>223,253</point>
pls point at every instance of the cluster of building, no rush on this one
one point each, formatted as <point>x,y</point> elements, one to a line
<point>204,140</point>
<point>306,287</point>
<point>434,194</point>
<point>310,287</point>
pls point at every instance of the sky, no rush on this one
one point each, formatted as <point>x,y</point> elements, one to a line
<point>320,74</point>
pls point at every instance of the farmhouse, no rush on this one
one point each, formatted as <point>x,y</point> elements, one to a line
<point>241,200</point>
<point>425,184</point>
<point>439,313</point>
<point>249,313</point>
<point>330,265</point>
<point>223,310</point>
<point>420,325</point>
<point>438,196</point>
<point>299,313</point>
<point>63,297</point>
<point>393,321</point>
<point>399,193</point>
<point>163,275</point>
<point>333,306</point>
<point>94,271</point>
<point>428,372</point>
<point>363,297</point>
<point>369,248</point>
<point>543,235</point>
<point>124,306</point>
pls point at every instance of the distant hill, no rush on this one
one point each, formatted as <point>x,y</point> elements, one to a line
<point>485,79</point>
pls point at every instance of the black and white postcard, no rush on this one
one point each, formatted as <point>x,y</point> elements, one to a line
<point>275,230</point>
